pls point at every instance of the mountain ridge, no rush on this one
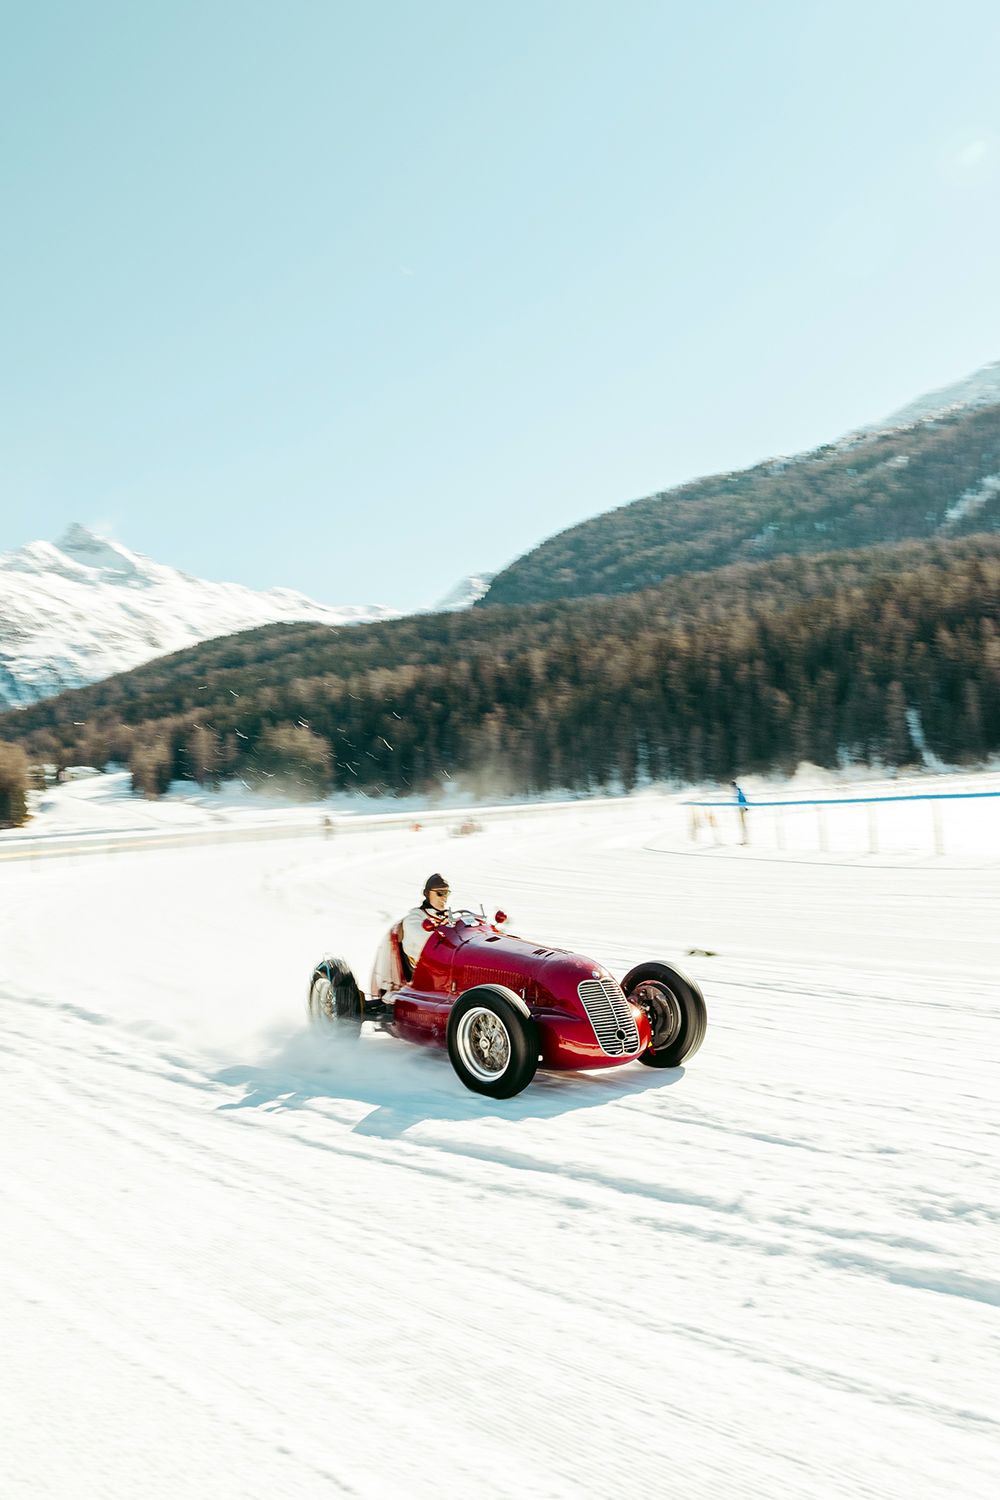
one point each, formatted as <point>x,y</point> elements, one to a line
<point>87,607</point>
<point>981,388</point>
<point>940,475</point>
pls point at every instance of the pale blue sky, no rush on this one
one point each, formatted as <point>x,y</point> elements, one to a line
<point>357,298</point>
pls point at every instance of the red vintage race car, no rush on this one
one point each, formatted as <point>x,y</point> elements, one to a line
<point>504,1006</point>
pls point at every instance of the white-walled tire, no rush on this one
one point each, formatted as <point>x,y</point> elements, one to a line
<point>492,1044</point>
<point>334,994</point>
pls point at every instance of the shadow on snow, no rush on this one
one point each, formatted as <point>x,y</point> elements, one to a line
<point>408,1085</point>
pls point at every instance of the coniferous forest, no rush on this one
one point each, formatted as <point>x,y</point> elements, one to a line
<point>858,655</point>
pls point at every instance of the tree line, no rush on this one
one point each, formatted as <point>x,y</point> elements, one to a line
<point>844,656</point>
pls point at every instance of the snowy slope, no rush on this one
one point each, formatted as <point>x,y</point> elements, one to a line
<point>240,1261</point>
<point>982,388</point>
<point>466,591</point>
<point>83,608</point>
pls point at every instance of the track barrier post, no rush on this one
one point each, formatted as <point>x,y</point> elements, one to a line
<point>872,829</point>
<point>936,831</point>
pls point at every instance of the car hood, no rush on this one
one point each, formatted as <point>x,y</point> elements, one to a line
<point>548,973</point>
<point>564,972</point>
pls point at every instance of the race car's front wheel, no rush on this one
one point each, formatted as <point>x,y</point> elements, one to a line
<point>492,1044</point>
<point>678,1016</point>
<point>334,994</point>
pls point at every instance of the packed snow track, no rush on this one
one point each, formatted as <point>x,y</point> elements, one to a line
<point>241,1260</point>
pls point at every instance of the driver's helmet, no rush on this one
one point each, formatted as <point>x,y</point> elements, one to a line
<point>436,882</point>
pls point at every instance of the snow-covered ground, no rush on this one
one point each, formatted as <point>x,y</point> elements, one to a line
<point>239,1260</point>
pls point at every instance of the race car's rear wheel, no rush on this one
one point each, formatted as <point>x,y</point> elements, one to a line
<point>492,1044</point>
<point>334,994</point>
<point>678,1016</point>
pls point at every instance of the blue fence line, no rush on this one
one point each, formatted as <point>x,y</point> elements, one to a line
<point>846,801</point>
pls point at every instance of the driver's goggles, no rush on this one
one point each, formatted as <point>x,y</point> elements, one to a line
<point>437,891</point>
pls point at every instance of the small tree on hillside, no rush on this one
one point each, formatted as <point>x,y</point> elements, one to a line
<point>203,753</point>
<point>295,754</point>
<point>150,766</point>
<point>15,778</point>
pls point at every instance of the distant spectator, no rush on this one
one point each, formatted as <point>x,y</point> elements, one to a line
<point>742,804</point>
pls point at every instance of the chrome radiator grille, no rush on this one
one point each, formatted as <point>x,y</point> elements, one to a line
<point>610,1016</point>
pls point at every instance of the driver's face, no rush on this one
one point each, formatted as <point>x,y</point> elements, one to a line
<point>438,897</point>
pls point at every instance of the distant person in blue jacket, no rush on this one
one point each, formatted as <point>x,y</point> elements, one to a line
<point>742,804</point>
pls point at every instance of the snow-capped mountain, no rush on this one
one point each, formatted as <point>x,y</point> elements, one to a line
<point>83,608</point>
<point>466,592</point>
<point>982,388</point>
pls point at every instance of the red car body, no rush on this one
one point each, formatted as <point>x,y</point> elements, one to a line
<point>583,1018</point>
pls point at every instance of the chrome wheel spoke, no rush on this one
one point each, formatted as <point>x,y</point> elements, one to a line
<point>323,1006</point>
<point>484,1043</point>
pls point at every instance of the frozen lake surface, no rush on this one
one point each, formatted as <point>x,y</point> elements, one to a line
<point>239,1260</point>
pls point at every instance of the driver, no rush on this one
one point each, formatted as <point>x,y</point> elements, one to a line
<point>419,923</point>
<point>417,927</point>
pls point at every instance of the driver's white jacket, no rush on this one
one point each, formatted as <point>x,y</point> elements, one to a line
<point>418,925</point>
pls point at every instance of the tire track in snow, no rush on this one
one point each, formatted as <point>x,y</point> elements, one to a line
<point>485,1223</point>
<point>755,1233</point>
<point>148,1138</point>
